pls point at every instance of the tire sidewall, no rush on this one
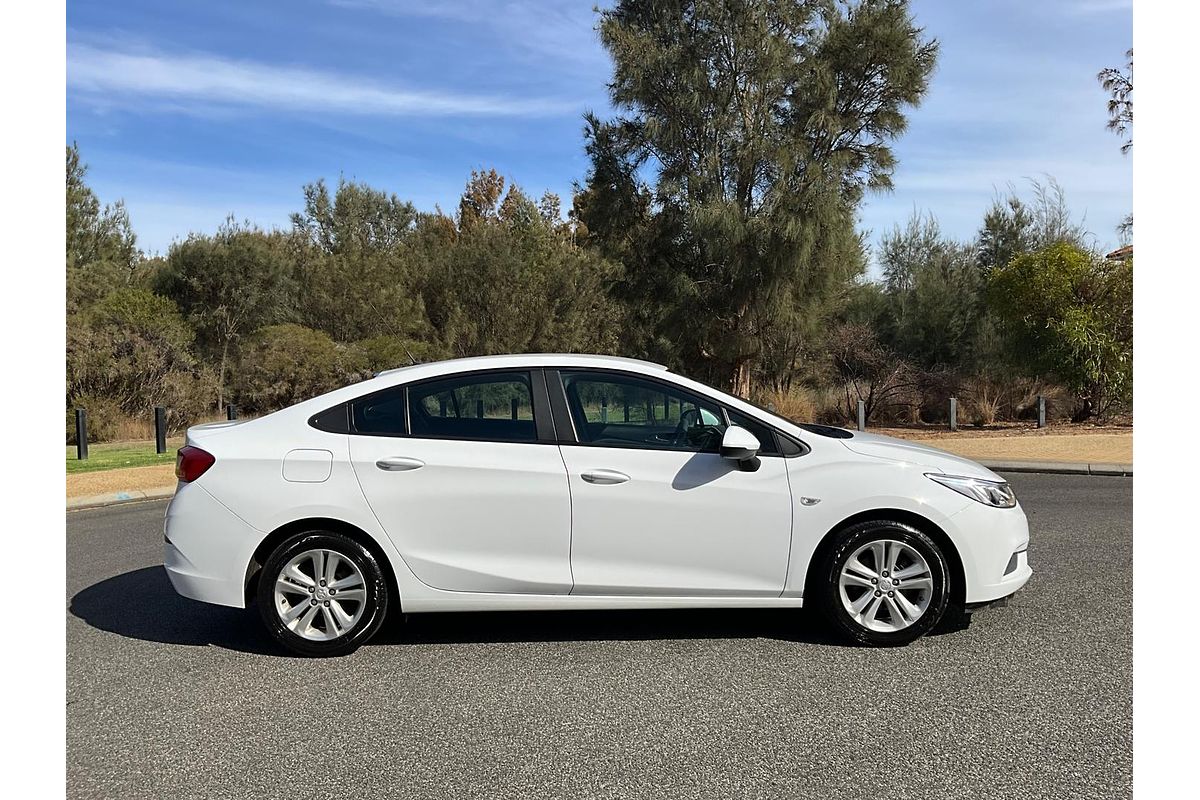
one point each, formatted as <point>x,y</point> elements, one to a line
<point>376,601</point>
<point>850,541</point>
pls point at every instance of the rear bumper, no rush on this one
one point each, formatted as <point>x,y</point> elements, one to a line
<point>207,548</point>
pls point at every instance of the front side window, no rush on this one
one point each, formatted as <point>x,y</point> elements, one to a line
<point>495,406</point>
<point>625,411</point>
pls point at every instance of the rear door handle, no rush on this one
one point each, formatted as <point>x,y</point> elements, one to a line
<point>399,464</point>
<point>604,477</point>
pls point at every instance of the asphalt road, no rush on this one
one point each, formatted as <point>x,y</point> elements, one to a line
<point>171,698</point>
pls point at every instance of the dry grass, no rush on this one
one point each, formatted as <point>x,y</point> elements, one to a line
<point>1082,448</point>
<point>88,484</point>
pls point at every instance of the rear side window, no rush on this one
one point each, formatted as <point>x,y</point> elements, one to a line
<point>494,406</point>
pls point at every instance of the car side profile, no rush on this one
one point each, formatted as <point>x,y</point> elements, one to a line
<point>576,482</point>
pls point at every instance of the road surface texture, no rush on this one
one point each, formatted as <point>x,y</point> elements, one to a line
<point>171,698</point>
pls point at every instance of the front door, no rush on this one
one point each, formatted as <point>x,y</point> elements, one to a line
<point>470,497</point>
<point>655,509</point>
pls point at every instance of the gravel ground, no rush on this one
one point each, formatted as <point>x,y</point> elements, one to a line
<point>166,697</point>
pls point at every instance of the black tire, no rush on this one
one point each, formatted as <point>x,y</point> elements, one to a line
<point>829,600</point>
<point>375,602</point>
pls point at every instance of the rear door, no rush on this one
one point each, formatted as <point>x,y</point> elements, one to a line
<point>656,510</point>
<point>463,474</point>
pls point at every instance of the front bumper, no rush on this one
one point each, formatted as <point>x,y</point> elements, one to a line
<point>987,539</point>
<point>207,548</point>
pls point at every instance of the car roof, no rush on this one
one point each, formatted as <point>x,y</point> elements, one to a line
<point>534,360</point>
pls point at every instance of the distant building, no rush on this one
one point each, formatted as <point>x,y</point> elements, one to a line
<point>1121,253</point>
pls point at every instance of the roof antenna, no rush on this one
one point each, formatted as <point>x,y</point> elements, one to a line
<point>412,361</point>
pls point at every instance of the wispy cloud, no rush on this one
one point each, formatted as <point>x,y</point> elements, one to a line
<point>552,32</point>
<point>109,75</point>
<point>1099,6</point>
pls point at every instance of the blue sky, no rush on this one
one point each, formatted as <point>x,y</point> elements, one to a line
<point>194,111</point>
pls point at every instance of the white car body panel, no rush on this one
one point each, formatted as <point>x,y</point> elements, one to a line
<point>683,524</point>
<point>474,516</point>
<point>486,525</point>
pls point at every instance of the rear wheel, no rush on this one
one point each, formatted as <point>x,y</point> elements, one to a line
<point>322,594</point>
<point>884,583</point>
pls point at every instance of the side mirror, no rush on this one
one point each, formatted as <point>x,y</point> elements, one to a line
<point>740,445</point>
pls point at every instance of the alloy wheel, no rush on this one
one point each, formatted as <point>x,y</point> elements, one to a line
<point>320,595</point>
<point>886,586</point>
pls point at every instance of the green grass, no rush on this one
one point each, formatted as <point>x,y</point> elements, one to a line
<point>119,455</point>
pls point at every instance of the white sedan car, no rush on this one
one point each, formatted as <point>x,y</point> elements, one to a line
<point>572,481</point>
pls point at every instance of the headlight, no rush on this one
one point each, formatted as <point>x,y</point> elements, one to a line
<point>991,493</point>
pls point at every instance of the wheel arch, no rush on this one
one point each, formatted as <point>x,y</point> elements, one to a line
<point>958,580</point>
<point>280,534</point>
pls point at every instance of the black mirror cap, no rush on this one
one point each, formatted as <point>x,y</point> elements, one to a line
<point>750,464</point>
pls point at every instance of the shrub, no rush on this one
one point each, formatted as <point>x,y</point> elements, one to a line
<point>797,403</point>
<point>870,372</point>
<point>284,364</point>
<point>982,400</point>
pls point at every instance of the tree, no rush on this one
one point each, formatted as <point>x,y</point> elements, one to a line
<point>761,125</point>
<point>1013,226</point>
<point>356,263</point>
<point>934,289</point>
<point>1119,85</point>
<point>230,284</point>
<point>1072,315</point>
<point>511,279</point>
<point>102,252</point>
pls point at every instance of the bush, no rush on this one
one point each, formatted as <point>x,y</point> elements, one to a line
<point>870,372</point>
<point>369,356</point>
<point>105,419</point>
<point>797,403</point>
<point>284,364</point>
<point>982,401</point>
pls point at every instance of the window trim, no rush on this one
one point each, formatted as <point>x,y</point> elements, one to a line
<point>561,408</point>
<point>542,414</point>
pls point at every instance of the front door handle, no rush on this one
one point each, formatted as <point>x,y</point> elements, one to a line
<point>604,477</point>
<point>399,464</point>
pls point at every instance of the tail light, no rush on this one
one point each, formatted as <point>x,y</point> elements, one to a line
<point>192,462</point>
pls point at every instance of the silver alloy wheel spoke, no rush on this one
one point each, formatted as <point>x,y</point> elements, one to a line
<point>860,568</point>
<point>907,609</point>
<point>850,578</point>
<point>320,595</point>
<point>285,584</point>
<point>347,582</point>
<point>893,595</point>
<point>912,571</point>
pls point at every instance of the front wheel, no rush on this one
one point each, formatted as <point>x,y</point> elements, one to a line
<point>322,594</point>
<point>883,584</point>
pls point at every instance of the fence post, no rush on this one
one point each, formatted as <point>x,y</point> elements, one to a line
<point>604,409</point>
<point>862,415</point>
<point>81,434</point>
<point>514,408</point>
<point>627,408</point>
<point>231,411</point>
<point>479,409</point>
<point>953,413</point>
<point>160,429</point>
<point>1041,408</point>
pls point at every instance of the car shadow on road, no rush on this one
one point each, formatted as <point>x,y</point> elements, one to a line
<point>142,605</point>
